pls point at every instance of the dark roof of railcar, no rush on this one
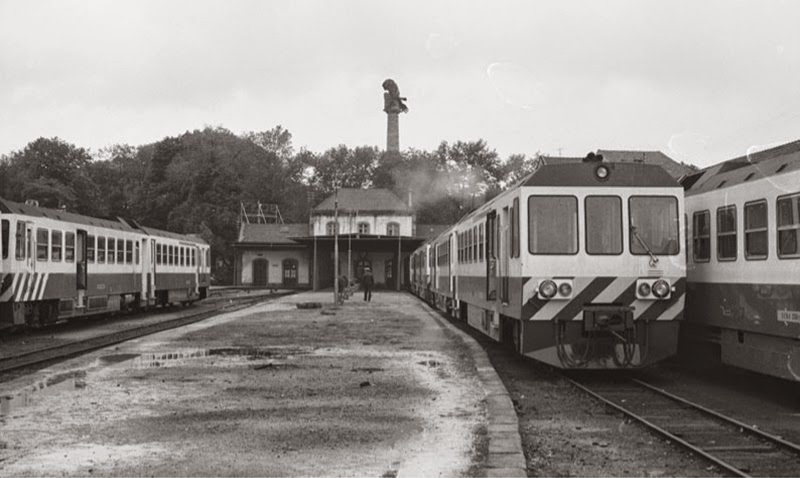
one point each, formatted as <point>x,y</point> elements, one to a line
<point>770,162</point>
<point>574,174</point>
<point>11,207</point>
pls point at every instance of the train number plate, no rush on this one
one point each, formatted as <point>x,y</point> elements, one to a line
<point>789,316</point>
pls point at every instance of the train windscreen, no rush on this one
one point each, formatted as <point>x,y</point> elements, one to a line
<point>553,224</point>
<point>654,225</point>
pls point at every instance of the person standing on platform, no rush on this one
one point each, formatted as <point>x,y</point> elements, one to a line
<point>368,281</point>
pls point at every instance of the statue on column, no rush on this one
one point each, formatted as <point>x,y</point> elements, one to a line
<point>392,101</point>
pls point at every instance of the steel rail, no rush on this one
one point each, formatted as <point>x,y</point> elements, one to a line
<point>46,354</point>
<point>726,466</point>
<point>774,438</point>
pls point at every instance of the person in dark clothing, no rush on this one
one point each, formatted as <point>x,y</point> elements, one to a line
<point>368,281</point>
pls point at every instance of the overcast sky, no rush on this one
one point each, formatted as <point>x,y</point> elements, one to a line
<point>700,81</point>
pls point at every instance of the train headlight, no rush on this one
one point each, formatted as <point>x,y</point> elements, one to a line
<point>565,289</point>
<point>547,289</point>
<point>602,172</point>
<point>644,289</point>
<point>661,289</point>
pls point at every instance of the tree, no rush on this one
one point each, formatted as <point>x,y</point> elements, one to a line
<point>53,172</point>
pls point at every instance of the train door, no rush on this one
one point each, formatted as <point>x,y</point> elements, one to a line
<point>81,267</point>
<point>491,255</point>
<point>152,272</point>
<point>451,251</point>
<point>196,251</point>
<point>504,251</point>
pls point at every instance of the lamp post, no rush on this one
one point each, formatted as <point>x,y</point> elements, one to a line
<point>335,243</point>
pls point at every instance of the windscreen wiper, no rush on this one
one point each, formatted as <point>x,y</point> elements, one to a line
<point>653,258</point>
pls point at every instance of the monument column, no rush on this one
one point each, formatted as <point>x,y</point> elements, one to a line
<point>393,105</point>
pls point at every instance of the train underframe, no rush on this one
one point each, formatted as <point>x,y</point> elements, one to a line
<point>42,313</point>
<point>575,344</point>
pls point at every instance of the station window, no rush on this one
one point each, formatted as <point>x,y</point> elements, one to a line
<point>5,233</point>
<point>514,228</point>
<point>90,248</point>
<point>20,237</point>
<point>755,230</point>
<point>789,226</point>
<point>393,229</point>
<point>42,244</point>
<point>701,233</point>
<point>363,228</point>
<point>726,233</point>
<point>129,252</point>
<point>101,250</point>
<point>603,225</point>
<point>329,228</point>
<point>654,224</point>
<point>553,224</point>
<point>69,246</point>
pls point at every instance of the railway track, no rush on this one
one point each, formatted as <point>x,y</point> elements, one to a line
<point>735,448</point>
<point>37,356</point>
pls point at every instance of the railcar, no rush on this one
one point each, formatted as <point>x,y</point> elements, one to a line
<point>56,265</point>
<point>743,294</point>
<point>579,265</point>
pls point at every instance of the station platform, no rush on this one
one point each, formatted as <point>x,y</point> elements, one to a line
<point>383,388</point>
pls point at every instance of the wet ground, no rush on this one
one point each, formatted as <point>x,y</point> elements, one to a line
<point>372,389</point>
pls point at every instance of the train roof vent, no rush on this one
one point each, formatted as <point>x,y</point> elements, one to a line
<point>722,183</point>
<point>749,176</point>
<point>783,166</point>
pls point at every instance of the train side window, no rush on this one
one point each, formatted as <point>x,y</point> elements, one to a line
<point>515,228</point>
<point>726,233</point>
<point>111,250</point>
<point>120,251</point>
<point>755,230</point>
<point>701,236</point>
<point>69,246</point>
<point>603,225</point>
<point>475,244</point>
<point>137,253</point>
<point>553,224</point>
<point>90,248</point>
<point>42,244</point>
<point>56,238</point>
<point>480,242</point>
<point>788,208</point>
<point>6,240</point>
<point>129,252</point>
<point>101,250</point>
<point>20,237</point>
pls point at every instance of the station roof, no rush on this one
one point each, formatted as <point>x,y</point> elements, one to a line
<point>367,201</point>
<point>297,234</point>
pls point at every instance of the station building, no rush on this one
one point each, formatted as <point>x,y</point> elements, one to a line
<point>376,229</point>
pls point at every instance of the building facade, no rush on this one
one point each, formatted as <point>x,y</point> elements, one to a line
<point>376,229</point>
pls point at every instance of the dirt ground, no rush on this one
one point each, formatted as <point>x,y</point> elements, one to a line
<point>379,389</point>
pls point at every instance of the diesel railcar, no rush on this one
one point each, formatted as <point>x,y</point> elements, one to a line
<point>743,294</point>
<point>56,265</point>
<point>580,265</point>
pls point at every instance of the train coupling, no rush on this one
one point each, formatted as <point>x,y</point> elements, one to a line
<point>609,318</point>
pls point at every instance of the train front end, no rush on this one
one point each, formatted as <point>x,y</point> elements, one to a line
<point>603,267</point>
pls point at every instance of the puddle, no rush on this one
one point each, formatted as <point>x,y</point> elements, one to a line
<point>48,387</point>
<point>177,357</point>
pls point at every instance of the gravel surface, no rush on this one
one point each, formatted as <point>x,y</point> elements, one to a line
<point>567,433</point>
<point>378,389</point>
